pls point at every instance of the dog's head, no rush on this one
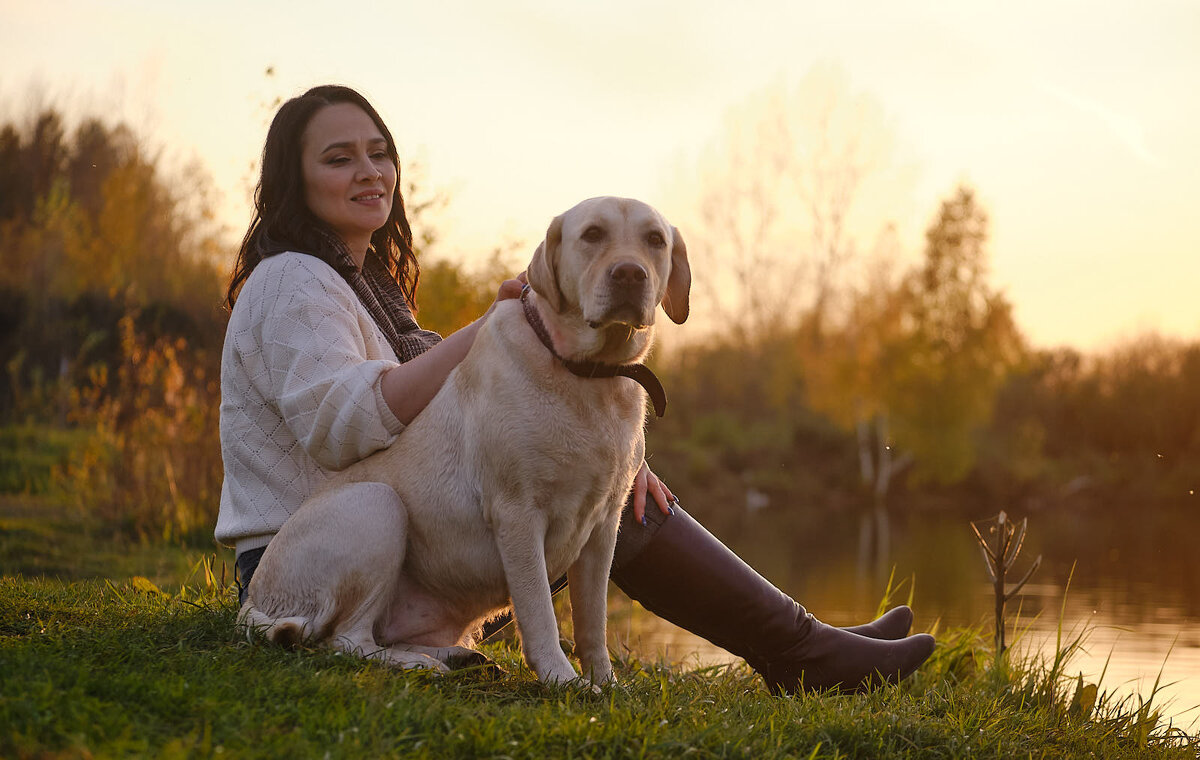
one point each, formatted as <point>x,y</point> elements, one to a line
<point>603,268</point>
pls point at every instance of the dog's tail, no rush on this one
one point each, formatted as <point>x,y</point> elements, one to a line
<point>286,631</point>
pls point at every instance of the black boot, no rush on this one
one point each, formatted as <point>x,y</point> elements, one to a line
<point>682,573</point>
<point>891,625</point>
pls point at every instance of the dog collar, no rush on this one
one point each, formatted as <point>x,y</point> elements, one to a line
<point>639,373</point>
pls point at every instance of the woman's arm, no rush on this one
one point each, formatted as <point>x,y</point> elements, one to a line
<point>408,388</point>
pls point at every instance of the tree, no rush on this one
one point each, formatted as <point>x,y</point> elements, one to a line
<point>962,343</point>
<point>91,230</point>
<point>780,196</point>
<point>851,376</point>
<point>917,365</point>
<point>110,317</point>
<point>785,194</point>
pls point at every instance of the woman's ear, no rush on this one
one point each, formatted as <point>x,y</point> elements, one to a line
<point>679,282</point>
<point>543,269</point>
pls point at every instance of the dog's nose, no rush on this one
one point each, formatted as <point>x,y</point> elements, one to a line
<point>627,274</point>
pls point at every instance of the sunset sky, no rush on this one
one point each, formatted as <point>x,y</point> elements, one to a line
<point>1075,122</point>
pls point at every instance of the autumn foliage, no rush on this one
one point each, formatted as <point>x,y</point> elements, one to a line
<point>110,280</point>
<point>902,387</point>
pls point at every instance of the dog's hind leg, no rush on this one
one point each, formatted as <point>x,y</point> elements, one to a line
<point>330,571</point>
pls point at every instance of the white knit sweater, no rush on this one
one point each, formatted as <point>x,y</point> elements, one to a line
<point>300,393</point>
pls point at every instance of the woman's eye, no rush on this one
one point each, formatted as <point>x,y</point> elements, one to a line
<point>656,239</point>
<point>593,234</point>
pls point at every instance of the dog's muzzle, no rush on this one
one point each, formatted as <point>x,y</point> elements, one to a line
<point>627,293</point>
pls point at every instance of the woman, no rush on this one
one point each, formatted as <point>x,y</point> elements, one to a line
<point>324,364</point>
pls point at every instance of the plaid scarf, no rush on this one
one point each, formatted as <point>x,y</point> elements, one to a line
<point>385,302</point>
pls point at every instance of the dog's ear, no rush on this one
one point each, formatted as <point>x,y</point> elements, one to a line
<point>679,282</point>
<point>543,269</point>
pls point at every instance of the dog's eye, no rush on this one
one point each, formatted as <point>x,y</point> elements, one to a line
<point>593,234</point>
<point>656,240</point>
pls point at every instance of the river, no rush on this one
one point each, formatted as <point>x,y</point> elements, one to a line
<point>1133,573</point>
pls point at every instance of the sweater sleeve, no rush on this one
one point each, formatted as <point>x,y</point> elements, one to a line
<point>325,384</point>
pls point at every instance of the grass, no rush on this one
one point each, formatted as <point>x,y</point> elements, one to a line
<point>30,453</point>
<point>39,539</point>
<point>111,666</point>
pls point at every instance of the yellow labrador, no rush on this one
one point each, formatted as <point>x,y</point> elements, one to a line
<point>515,473</point>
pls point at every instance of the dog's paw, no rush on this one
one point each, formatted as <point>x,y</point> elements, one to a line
<point>596,666</point>
<point>462,658</point>
<point>407,660</point>
<point>559,674</point>
<point>595,686</point>
<point>573,680</point>
<point>601,676</point>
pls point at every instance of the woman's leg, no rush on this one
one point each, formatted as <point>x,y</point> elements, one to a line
<point>682,573</point>
<point>246,564</point>
<point>633,538</point>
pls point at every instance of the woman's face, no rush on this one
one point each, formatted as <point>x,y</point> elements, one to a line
<point>349,178</point>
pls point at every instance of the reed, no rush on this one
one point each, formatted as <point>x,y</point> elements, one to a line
<point>1000,549</point>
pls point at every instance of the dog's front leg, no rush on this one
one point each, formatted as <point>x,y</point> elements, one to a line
<point>588,584</point>
<point>521,540</point>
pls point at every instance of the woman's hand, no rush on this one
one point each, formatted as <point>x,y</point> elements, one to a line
<point>509,289</point>
<point>645,483</point>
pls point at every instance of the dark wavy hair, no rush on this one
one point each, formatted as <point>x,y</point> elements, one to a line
<point>282,220</point>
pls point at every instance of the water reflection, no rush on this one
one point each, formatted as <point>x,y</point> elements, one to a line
<point>1134,590</point>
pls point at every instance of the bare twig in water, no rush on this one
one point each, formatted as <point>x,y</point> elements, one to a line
<point>999,554</point>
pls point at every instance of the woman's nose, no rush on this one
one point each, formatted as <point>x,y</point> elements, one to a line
<point>367,170</point>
